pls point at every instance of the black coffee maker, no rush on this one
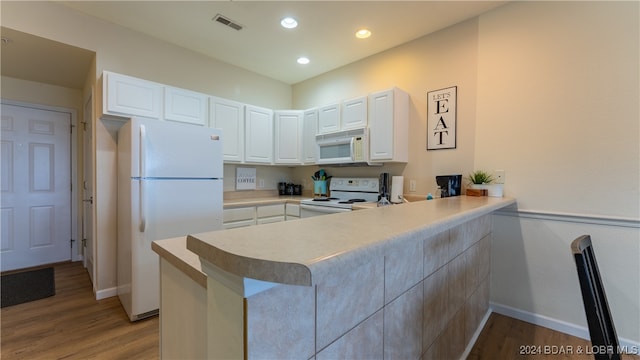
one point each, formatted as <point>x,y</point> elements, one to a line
<point>384,189</point>
<point>449,185</point>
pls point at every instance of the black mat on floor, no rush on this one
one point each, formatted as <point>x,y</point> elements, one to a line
<point>22,287</point>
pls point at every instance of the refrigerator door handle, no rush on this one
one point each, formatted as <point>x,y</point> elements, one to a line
<point>143,155</point>
<point>143,220</point>
<point>142,164</point>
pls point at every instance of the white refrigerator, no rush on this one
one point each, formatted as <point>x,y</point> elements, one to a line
<point>169,185</point>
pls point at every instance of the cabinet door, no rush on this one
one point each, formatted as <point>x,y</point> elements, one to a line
<point>238,217</point>
<point>381,126</point>
<point>288,139</point>
<point>292,211</point>
<point>185,106</point>
<point>229,116</point>
<point>129,96</point>
<point>354,113</point>
<point>258,135</point>
<point>389,126</point>
<point>329,119</point>
<point>270,213</point>
<point>309,131</point>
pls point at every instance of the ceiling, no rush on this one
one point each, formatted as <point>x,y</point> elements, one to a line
<point>325,33</point>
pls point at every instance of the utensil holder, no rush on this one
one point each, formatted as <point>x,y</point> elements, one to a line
<point>320,188</point>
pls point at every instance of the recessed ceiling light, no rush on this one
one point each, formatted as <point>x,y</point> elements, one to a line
<point>363,33</point>
<point>303,60</point>
<point>289,23</point>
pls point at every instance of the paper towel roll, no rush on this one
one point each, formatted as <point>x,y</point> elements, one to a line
<point>397,184</point>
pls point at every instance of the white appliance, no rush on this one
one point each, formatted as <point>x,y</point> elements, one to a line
<point>169,185</point>
<point>345,147</point>
<point>343,192</point>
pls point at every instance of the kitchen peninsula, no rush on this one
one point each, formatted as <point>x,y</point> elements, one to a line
<point>391,282</point>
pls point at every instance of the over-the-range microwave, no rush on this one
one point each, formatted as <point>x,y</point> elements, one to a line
<point>345,147</point>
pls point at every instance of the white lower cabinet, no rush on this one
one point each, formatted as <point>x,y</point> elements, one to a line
<point>239,217</point>
<point>270,213</point>
<point>292,212</point>
<point>254,215</point>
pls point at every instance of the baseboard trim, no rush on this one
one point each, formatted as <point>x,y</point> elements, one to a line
<point>476,334</point>
<point>106,293</point>
<point>554,324</point>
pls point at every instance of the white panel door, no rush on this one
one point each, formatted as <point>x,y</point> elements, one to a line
<point>36,187</point>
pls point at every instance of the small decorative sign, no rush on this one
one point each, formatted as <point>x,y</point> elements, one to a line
<point>245,178</point>
<point>441,118</point>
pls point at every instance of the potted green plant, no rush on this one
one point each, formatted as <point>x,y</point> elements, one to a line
<point>484,180</point>
<point>480,177</point>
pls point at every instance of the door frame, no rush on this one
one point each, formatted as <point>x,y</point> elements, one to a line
<point>76,244</point>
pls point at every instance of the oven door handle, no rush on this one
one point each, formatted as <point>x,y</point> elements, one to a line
<point>323,209</point>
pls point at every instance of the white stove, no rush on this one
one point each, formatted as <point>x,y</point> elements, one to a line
<point>343,192</point>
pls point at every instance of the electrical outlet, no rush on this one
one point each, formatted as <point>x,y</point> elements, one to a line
<point>260,183</point>
<point>499,177</point>
<point>412,185</point>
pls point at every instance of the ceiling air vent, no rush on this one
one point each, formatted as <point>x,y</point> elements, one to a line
<point>228,22</point>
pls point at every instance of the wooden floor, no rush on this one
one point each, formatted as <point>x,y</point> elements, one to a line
<point>507,338</point>
<point>73,325</point>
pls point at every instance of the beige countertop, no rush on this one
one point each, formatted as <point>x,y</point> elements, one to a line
<point>175,251</point>
<point>292,252</point>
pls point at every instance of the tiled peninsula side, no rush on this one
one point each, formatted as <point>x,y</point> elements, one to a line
<point>408,281</point>
<point>425,296</point>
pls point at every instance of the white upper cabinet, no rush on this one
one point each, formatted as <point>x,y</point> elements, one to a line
<point>389,126</point>
<point>258,135</point>
<point>229,116</point>
<point>128,96</point>
<point>185,106</point>
<point>328,119</point>
<point>309,131</point>
<point>288,137</point>
<point>354,113</point>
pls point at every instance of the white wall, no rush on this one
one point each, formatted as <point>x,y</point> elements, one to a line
<point>558,110</point>
<point>548,92</point>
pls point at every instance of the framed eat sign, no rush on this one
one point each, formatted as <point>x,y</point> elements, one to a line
<point>441,118</point>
